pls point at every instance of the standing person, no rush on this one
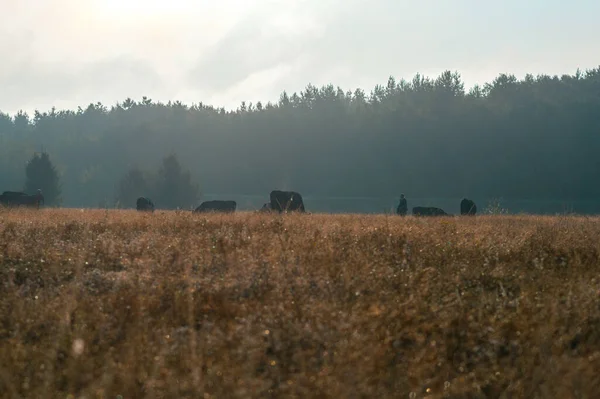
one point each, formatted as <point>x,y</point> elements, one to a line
<point>402,206</point>
<point>39,198</point>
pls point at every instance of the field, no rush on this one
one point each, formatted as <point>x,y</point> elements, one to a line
<point>106,304</point>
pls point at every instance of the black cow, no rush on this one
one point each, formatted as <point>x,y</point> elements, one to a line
<point>468,207</point>
<point>217,206</point>
<point>18,198</point>
<point>286,201</point>
<point>144,204</point>
<point>428,211</point>
<point>14,193</point>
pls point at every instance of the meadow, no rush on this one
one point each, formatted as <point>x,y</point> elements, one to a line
<point>120,304</point>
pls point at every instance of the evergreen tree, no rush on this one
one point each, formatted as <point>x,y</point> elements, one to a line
<point>174,185</point>
<point>41,174</point>
<point>132,186</point>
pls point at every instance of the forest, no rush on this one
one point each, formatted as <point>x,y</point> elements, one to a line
<point>534,140</point>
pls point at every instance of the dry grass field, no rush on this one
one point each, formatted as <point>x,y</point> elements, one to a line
<point>107,304</point>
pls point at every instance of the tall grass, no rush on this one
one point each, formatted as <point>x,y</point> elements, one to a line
<point>100,303</point>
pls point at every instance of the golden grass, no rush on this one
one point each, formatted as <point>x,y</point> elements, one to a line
<point>103,303</point>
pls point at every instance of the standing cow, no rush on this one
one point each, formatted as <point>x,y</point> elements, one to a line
<point>286,201</point>
<point>17,198</point>
<point>468,207</point>
<point>216,206</point>
<point>144,204</point>
<point>428,211</point>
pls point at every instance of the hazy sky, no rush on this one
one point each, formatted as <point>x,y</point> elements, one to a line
<point>66,53</point>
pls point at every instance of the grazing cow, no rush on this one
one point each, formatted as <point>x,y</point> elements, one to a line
<point>14,193</point>
<point>428,211</point>
<point>17,198</point>
<point>216,206</point>
<point>144,204</point>
<point>468,207</point>
<point>286,201</point>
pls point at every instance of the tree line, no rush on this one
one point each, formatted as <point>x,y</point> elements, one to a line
<point>531,138</point>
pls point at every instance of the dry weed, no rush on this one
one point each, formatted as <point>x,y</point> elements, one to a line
<point>99,303</point>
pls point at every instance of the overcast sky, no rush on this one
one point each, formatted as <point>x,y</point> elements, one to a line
<point>67,53</point>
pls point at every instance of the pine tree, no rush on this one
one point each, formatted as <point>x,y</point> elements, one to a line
<point>41,174</point>
<point>174,187</point>
<point>132,186</point>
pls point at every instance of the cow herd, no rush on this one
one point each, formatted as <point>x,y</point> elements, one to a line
<point>291,201</point>
<point>279,201</point>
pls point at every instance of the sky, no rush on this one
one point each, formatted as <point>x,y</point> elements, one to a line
<point>69,53</point>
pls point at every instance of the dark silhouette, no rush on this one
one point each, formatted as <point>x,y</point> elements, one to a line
<point>40,173</point>
<point>428,211</point>
<point>17,198</point>
<point>216,206</point>
<point>286,201</point>
<point>132,186</point>
<point>14,193</point>
<point>174,185</point>
<point>402,206</point>
<point>144,204</point>
<point>468,207</point>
